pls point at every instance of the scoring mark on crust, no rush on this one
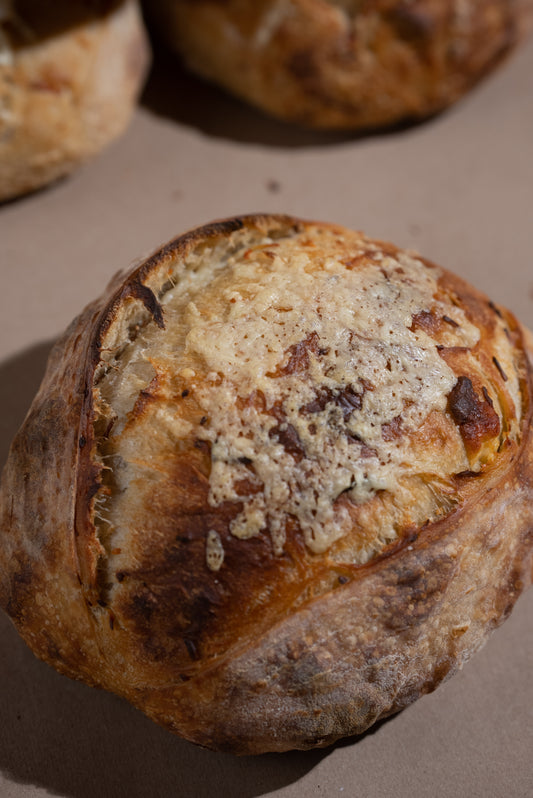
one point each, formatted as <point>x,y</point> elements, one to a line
<point>148,298</point>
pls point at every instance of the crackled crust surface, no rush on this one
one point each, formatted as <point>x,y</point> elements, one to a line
<point>302,484</point>
<point>69,77</point>
<point>344,63</point>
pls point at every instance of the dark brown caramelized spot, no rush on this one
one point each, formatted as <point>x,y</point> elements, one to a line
<point>393,429</point>
<point>318,404</point>
<point>476,418</point>
<point>287,435</point>
<point>289,439</point>
<point>347,399</point>
<point>247,487</point>
<point>299,354</point>
<point>425,321</point>
<point>433,323</point>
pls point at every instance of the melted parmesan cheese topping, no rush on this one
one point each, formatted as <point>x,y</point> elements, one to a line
<point>310,376</point>
<point>359,321</point>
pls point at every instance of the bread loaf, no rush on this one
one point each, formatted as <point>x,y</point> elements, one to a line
<point>276,485</point>
<point>344,63</point>
<point>70,73</point>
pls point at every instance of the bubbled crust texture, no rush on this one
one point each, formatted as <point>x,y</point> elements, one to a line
<point>69,79</point>
<point>272,651</point>
<point>344,64</point>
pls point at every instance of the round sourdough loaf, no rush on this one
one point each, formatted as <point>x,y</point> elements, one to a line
<point>344,63</point>
<point>70,73</point>
<point>276,485</point>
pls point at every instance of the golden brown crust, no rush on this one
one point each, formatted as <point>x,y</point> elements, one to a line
<point>69,79</point>
<point>351,64</point>
<point>230,641</point>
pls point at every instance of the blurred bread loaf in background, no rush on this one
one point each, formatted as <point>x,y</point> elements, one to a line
<point>70,74</point>
<point>351,64</point>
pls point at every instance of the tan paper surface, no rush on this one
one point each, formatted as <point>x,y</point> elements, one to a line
<point>460,190</point>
